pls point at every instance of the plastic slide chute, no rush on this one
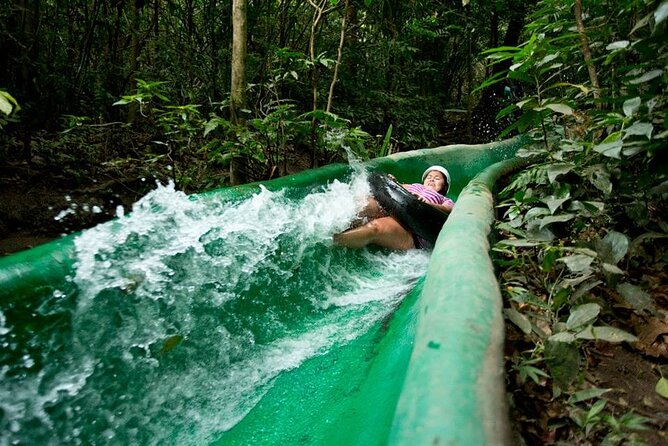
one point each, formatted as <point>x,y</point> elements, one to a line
<point>229,318</point>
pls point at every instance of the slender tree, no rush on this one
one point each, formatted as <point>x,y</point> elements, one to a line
<point>238,89</point>
<point>339,54</point>
<point>585,49</point>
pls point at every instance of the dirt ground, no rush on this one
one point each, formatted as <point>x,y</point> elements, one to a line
<point>630,377</point>
<point>38,205</point>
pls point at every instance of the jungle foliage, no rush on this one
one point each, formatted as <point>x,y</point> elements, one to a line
<point>141,88</point>
<point>152,79</point>
<point>583,228</point>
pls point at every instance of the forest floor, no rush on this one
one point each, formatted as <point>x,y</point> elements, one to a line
<point>38,204</point>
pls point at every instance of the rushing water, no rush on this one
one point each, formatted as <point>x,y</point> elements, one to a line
<point>179,316</point>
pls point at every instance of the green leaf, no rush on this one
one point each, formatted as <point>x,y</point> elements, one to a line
<point>555,219</point>
<point>554,203</point>
<point>7,103</point>
<point>384,150</point>
<point>563,336</point>
<point>518,319</point>
<point>631,106</point>
<point>560,108</point>
<point>662,387</point>
<point>556,169</point>
<point>547,59</point>
<point>610,149</point>
<point>613,247</point>
<point>661,13</point>
<point>596,408</point>
<point>640,128</point>
<point>587,394</point>
<point>577,263</point>
<point>612,269</point>
<point>586,208</point>
<point>5,106</point>
<point>122,101</point>
<point>506,111</point>
<point>646,77</point>
<point>609,334</point>
<point>620,44</point>
<point>635,296</point>
<point>582,315</point>
<point>520,243</point>
<point>600,177</point>
<point>563,361</point>
<point>536,212</point>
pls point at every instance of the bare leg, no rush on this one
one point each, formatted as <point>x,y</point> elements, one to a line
<point>384,231</point>
<point>370,211</point>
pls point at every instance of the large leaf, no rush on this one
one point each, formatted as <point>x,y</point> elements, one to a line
<point>577,263</point>
<point>647,77</point>
<point>610,149</point>
<point>600,177</point>
<point>518,319</point>
<point>556,169</point>
<point>620,44</point>
<point>582,315</point>
<point>522,243</point>
<point>635,296</point>
<point>662,387</point>
<point>612,269</point>
<point>613,247</point>
<point>586,208</point>
<point>609,334</point>
<point>536,212</point>
<point>7,103</point>
<point>562,336</point>
<point>587,394</point>
<point>5,106</point>
<point>563,361</point>
<point>640,128</point>
<point>631,106</point>
<point>554,203</point>
<point>559,108</point>
<point>661,13</point>
<point>555,219</point>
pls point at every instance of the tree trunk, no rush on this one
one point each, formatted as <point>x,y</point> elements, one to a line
<point>28,20</point>
<point>134,57</point>
<point>585,49</point>
<point>238,88</point>
<point>339,54</point>
<point>319,11</point>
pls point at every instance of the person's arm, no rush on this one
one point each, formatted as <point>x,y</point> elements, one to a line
<point>445,207</point>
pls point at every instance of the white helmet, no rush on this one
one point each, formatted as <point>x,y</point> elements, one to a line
<point>441,169</point>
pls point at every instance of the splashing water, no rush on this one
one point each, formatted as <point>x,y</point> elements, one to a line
<point>180,315</point>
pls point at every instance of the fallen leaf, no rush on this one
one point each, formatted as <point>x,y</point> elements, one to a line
<point>652,333</point>
<point>662,387</point>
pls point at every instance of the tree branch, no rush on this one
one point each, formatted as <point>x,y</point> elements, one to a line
<point>586,50</point>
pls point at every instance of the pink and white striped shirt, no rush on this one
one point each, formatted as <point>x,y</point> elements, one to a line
<point>428,194</point>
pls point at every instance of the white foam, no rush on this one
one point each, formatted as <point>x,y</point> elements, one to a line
<point>187,303</point>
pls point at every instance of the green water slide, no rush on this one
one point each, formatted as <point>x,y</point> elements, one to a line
<point>203,320</point>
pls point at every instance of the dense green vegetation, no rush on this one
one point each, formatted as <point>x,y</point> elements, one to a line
<point>319,74</point>
<point>142,88</point>
<point>584,227</point>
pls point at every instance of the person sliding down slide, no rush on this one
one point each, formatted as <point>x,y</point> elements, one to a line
<point>395,231</point>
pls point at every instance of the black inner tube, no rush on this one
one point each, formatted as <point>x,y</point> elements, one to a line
<point>416,216</point>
